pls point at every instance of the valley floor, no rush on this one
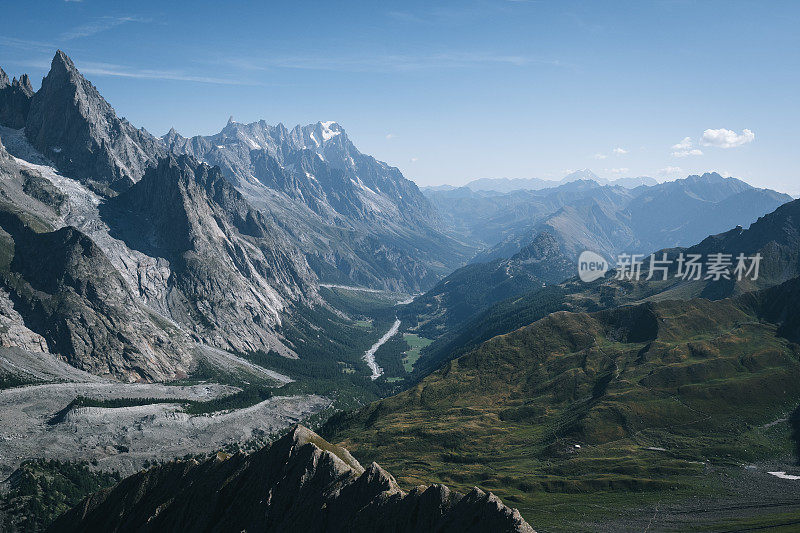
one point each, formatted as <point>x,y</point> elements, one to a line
<point>749,499</point>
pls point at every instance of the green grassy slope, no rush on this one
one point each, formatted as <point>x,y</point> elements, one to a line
<point>622,406</point>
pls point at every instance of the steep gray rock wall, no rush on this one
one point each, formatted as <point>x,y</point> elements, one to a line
<point>61,294</point>
<point>68,292</point>
<point>233,273</point>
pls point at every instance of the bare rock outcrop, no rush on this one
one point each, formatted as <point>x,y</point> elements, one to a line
<point>234,273</point>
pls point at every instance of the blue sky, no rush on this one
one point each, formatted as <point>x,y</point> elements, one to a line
<point>454,91</point>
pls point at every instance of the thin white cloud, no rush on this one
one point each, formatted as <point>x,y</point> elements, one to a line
<point>724,138</point>
<point>390,136</point>
<point>670,171</point>
<point>121,71</point>
<point>685,148</point>
<point>687,153</point>
<point>622,170</point>
<point>685,144</point>
<point>98,25</point>
<point>414,159</point>
<point>620,151</point>
<point>26,44</point>
<point>387,63</point>
<point>600,156</point>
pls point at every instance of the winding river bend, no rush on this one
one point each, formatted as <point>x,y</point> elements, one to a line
<point>369,355</point>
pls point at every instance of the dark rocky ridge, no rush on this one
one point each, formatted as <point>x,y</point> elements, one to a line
<point>72,124</point>
<point>300,483</point>
<point>15,100</point>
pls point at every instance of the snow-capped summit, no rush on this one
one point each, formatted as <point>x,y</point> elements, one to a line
<point>582,174</point>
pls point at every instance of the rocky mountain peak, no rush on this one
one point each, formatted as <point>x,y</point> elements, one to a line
<point>300,436</point>
<point>24,84</point>
<point>583,174</point>
<point>329,129</point>
<point>63,70</point>
<point>15,100</point>
<point>61,61</point>
<point>73,125</point>
<point>710,177</point>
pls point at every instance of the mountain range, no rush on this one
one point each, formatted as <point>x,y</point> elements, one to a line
<point>571,218</point>
<point>506,185</point>
<point>358,219</point>
<point>176,237</point>
<point>775,236</point>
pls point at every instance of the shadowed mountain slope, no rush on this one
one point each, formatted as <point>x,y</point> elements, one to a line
<point>64,296</point>
<point>15,100</point>
<point>217,246</point>
<point>475,287</point>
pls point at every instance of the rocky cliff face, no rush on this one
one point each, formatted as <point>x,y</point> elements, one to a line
<point>62,295</point>
<point>233,272</point>
<point>72,125</point>
<point>15,100</point>
<point>300,483</point>
<point>65,290</point>
<point>182,249</point>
